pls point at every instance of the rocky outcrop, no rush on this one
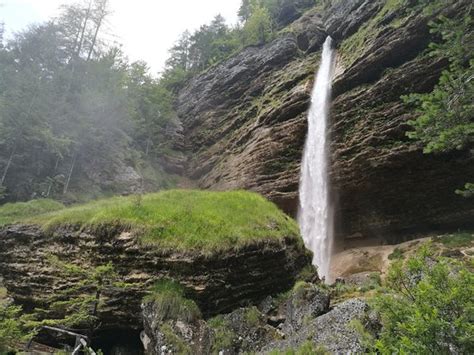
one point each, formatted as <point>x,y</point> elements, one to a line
<point>244,121</point>
<point>332,331</point>
<point>217,282</point>
<point>303,316</point>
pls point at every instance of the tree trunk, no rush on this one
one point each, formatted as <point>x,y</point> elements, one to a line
<point>66,187</point>
<point>147,149</point>
<point>5,172</point>
<point>54,173</point>
<point>99,24</point>
<point>83,31</point>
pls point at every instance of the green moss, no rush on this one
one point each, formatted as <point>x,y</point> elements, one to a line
<point>183,219</point>
<point>169,297</point>
<point>457,240</point>
<point>354,46</point>
<point>16,212</point>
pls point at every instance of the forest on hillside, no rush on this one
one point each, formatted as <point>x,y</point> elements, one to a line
<point>71,103</point>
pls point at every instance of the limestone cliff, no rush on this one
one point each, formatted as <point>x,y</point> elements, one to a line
<point>244,120</point>
<point>218,282</point>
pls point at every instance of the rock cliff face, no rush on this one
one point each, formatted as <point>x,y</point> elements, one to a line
<point>244,120</point>
<point>218,283</point>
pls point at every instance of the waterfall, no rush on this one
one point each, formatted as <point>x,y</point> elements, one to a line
<point>315,215</point>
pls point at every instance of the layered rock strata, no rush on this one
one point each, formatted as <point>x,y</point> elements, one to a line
<point>218,282</point>
<point>244,121</point>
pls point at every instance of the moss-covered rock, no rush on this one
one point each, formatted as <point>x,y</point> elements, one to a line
<point>225,249</point>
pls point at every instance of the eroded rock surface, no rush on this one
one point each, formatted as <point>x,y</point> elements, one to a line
<point>217,282</point>
<point>304,316</point>
<point>244,121</point>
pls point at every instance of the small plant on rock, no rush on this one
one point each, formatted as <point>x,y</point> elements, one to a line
<point>12,328</point>
<point>169,298</point>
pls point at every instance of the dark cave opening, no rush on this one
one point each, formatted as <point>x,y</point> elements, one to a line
<point>118,342</point>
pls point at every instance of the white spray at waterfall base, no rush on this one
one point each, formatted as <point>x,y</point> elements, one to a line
<point>315,215</point>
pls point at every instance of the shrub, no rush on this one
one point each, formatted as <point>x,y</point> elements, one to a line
<point>396,254</point>
<point>427,307</point>
<point>11,327</point>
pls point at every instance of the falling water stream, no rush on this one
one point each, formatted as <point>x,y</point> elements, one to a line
<point>315,215</point>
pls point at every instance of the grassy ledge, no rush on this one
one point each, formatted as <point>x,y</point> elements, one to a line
<point>19,211</point>
<point>181,219</point>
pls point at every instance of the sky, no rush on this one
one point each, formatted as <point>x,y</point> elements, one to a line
<point>145,28</point>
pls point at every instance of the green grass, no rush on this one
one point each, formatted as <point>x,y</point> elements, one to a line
<point>457,240</point>
<point>19,211</point>
<point>222,334</point>
<point>171,303</point>
<point>182,219</point>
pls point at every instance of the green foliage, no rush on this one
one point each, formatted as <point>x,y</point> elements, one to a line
<point>193,53</point>
<point>252,316</point>
<point>178,344</point>
<point>70,104</point>
<point>169,299</point>
<point>396,254</point>
<point>445,115</point>
<point>78,304</point>
<point>457,240</point>
<point>184,219</point>
<point>468,190</point>
<point>11,327</point>
<point>427,307</point>
<point>308,273</point>
<point>258,28</point>
<point>15,212</point>
<point>374,282</point>
<point>281,12</point>
<point>223,335</point>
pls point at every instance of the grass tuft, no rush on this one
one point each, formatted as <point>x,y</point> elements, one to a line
<point>169,299</point>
